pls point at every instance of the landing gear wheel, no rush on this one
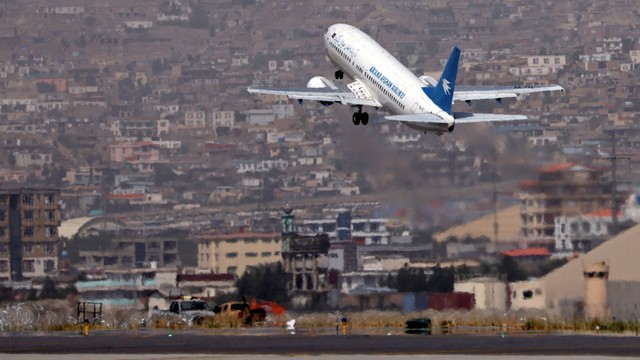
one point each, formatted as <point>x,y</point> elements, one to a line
<point>339,74</point>
<point>364,117</point>
<point>356,119</point>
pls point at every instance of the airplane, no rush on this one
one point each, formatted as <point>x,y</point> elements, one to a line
<point>382,82</point>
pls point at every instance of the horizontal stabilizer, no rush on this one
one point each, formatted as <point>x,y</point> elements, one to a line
<point>471,93</point>
<point>467,118</point>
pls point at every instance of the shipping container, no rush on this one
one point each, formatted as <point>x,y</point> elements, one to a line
<point>409,302</point>
<point>451,301</point>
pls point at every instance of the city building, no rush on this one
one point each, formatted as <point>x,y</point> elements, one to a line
<point>582,232</point>
<point>363,231</point>
<point>566,189</point>
<point>234,253</point>
<point>129,250</point>
<point>29,221</point>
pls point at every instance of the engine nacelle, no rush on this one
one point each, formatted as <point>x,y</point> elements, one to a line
<point>318,82</point>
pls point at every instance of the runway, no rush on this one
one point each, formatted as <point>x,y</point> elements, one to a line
<point>156,344</point>
<point>297,357</point>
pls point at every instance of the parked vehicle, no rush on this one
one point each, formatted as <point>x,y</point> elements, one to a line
<point>188,310</point>
<point>242,310</point>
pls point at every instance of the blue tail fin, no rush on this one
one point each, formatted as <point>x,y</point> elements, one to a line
<point>442,93</point>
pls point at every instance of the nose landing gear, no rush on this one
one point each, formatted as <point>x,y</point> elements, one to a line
<point>339,74</point>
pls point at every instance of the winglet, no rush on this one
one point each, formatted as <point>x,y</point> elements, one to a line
<point>442,93</point>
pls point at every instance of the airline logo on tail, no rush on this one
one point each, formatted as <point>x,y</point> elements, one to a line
<point>446,87</point>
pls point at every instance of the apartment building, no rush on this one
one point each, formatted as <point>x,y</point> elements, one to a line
<point>223,118</point>
<point>566,189</point>
<point>363,231</point>
<point>29,221</point>
<point>234,253</point>
<point>131,250</point>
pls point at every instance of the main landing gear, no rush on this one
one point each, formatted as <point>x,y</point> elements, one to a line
<point>360,117</point>
<point>339,74</point>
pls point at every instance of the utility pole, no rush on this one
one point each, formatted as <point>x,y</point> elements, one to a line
<point>495,196</point>
<point>614,182</point>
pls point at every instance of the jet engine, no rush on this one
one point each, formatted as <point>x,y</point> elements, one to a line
<point>319,82</point>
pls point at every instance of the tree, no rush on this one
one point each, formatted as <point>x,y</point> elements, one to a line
<point>511,268</point>
<point>49,290</point>
<point>442,279</point>
<point>410,280</point>
<point>267,282</point>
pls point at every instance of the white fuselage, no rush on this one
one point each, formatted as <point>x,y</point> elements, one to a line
<point>391,83</point>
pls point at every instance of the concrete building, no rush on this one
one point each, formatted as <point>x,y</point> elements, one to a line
<point>130,250</point>
<point>301,255</point>
<point>363,231</point>
<point>84,176</point>
<point>142,155</point>
<point>223,118</point>
<point>582,232</point>
<point>567,189</point>
<point>234,253</point>
<point>489,293</point>
<point>527,295</point>
<point>29,221</point>
<point>343,256</point>
<point>195,119</point>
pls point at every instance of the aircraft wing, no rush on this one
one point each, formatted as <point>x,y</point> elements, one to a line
<point>355,93</point>
<point>469,93</point>
<point>467,118</point>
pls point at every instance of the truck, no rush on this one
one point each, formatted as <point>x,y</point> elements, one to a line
<point>186,310</point>
<point>249,315</point>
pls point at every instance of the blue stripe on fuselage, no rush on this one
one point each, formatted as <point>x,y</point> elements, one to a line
<point>375,72</point>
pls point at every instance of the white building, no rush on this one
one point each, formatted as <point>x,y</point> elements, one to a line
<point>365,231</point>
<point>195,119</point>
<point>26,159</point>
<point>527,295</point>
<point>223,118</point>
<point>580,233</point>
<point>260,117</point>
<point>245,166</point>
<point>489,293</point>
